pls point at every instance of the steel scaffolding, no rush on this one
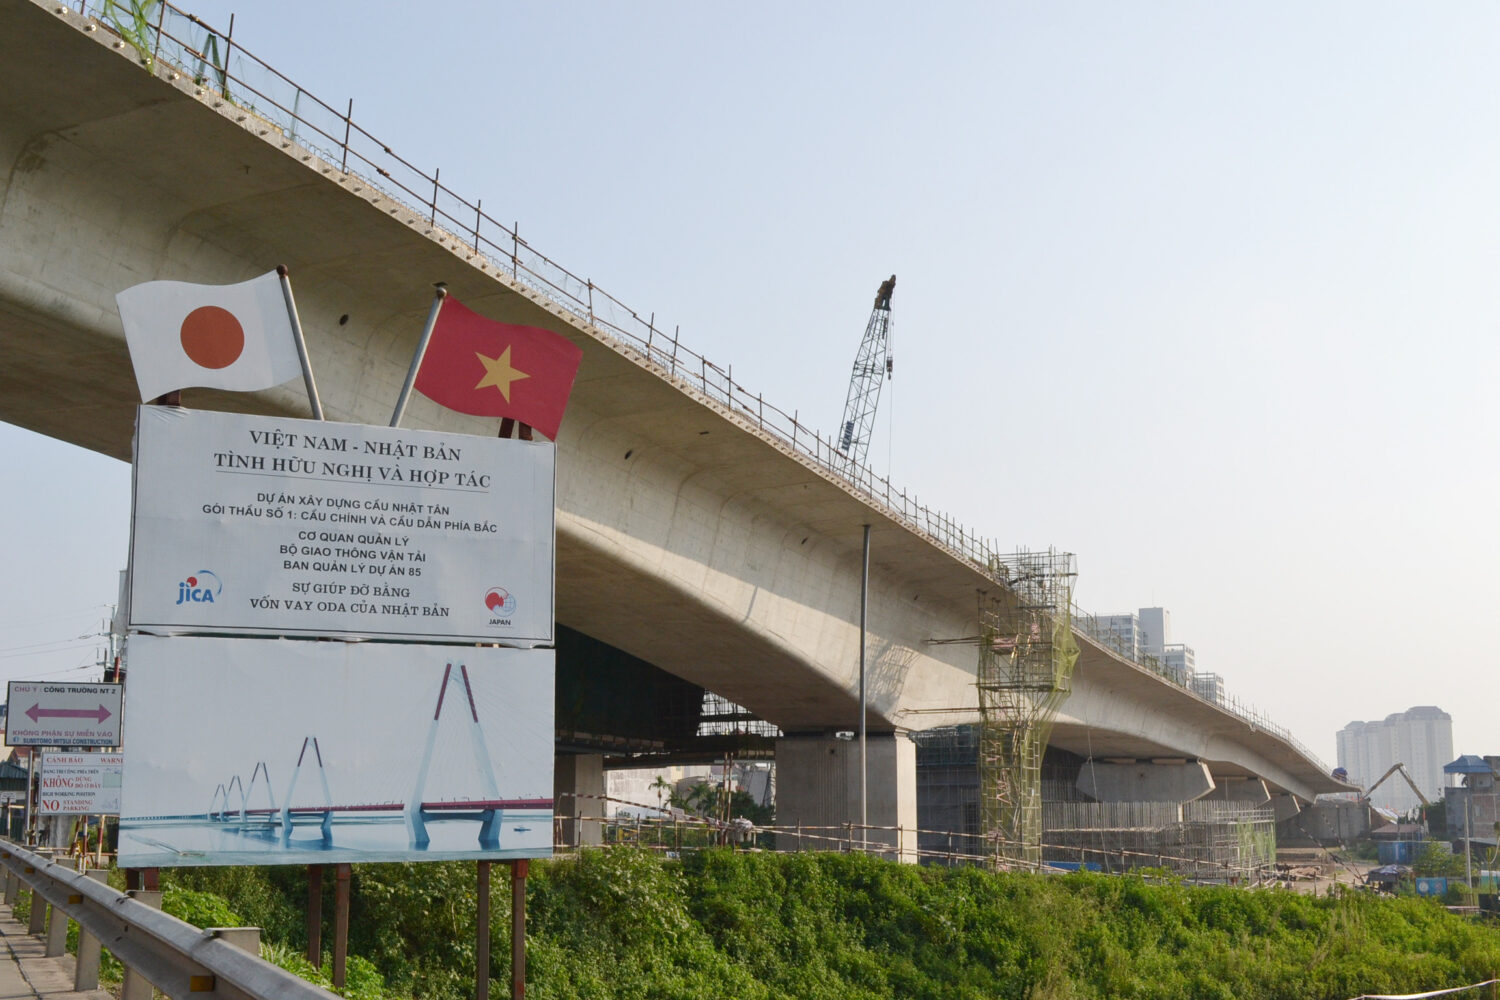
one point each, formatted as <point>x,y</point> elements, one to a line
<point>1205,841</point>
<point>1026,657</point>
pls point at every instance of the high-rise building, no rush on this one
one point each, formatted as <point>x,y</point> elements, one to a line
<point>1147,635</point>
<point>1421,738</point>
<point>1123,633</point>
<point>1179,662</point>
<point>1156,630</point>
<point>1209,687</point>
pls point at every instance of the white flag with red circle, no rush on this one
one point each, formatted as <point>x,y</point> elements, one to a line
<point>235,337</point>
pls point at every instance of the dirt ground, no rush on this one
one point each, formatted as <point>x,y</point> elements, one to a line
<point>1314,871</point>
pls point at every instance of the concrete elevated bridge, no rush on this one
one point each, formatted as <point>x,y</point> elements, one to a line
<point>734,529</point>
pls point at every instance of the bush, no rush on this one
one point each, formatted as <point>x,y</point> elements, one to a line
<point>629,923</point>
<point>1436,859</point>
<point>1459,894</point>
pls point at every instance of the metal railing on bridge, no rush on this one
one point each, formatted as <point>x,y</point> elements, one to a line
<point>269,101</point>
<point>169,39</point>
<point>1113,640</point>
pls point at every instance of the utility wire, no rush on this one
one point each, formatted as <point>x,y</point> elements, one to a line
<point>50,642</point>
<point>47,652</point>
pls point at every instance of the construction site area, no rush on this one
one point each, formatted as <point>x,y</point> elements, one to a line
<point>1208,841</point>
<point>993,792</point>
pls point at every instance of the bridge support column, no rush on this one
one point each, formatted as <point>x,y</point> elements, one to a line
<point>1251,790</point>
<point>1145,781</point>
<point>817,790</point>
<point>1286,806</point>
<point>578,787</point>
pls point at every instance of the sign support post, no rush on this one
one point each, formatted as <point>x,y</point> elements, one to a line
<point>518,871</point>
<point>482,939</point>
<point>315,915</point>
<point>26,811</point>
<point>340,924</point>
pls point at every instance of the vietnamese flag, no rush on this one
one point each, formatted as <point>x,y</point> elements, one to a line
<point>488,369</point>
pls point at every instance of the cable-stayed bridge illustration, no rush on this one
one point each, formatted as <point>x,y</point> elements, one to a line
<point>252,810</point>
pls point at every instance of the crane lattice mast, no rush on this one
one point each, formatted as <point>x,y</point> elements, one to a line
<point>872,366</point>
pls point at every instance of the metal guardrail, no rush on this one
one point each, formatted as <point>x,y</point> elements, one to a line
<point>177,958</point>
<point>230,74</point>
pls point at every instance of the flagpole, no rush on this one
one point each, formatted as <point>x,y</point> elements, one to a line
<point>416,361</point>
<point>291,312</point>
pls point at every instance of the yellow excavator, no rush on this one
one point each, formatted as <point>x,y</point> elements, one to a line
<point>1398,766</point>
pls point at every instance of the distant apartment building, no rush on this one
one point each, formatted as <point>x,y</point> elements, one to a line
<point>1121,632</point>
<point>1146,634</point>
<point>1209,687</point>
<point>1138,634</point>
<point>1179,662</point>
<point>1421,738</point>
<point>1156,630</point>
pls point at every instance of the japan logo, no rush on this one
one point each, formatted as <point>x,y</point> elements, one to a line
<point>201,588</point>
<point>502,604</point>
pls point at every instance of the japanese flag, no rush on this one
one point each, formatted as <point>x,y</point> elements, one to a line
<point>236,337</point>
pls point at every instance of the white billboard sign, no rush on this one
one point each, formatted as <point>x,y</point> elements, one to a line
<point>79,784</point>
<point>274,752</point>
<point>58,714</point>
<point>272,526</point>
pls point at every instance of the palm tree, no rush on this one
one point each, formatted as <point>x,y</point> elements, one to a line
<point>661,785</point>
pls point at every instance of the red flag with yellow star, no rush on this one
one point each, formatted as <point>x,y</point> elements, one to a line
<point>487,369</point>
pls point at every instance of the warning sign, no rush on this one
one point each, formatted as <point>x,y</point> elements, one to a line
<point>80,784</point>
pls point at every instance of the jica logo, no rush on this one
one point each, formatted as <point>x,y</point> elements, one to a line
<point>201,588</point>
<point>502,604</point>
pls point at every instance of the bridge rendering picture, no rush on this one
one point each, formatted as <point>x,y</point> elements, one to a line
<point>311,759</point>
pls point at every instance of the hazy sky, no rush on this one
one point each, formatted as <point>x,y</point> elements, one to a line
<point>1204,293</point>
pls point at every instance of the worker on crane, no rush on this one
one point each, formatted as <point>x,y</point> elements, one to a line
<point>883,296</point>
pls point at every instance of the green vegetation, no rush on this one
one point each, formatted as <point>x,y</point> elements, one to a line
<point>1437,858</point>
<point>707,798</point>
<point>628,923</point>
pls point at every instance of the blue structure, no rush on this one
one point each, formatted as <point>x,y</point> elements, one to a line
<point>1436,885</point>
<point>1468,764</point>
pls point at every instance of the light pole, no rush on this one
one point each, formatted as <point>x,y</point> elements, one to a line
<point>1469,830</point>
<point>864,767</point>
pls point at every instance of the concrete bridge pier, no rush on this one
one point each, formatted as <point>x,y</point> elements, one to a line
<point>817,790</point>
<point>578,789</point>
<point>1286,805</point>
